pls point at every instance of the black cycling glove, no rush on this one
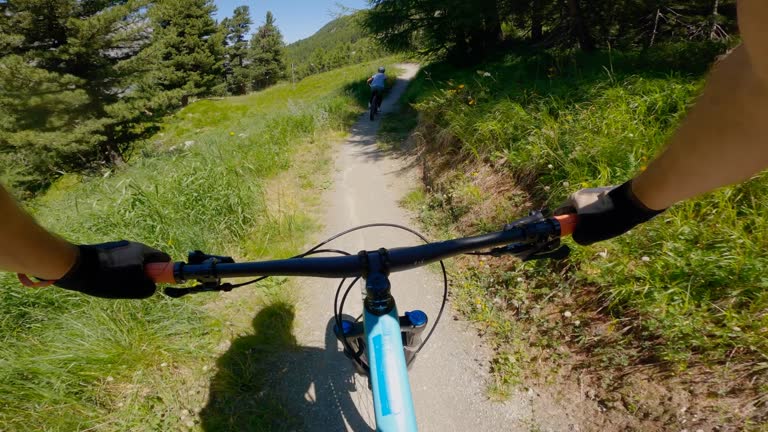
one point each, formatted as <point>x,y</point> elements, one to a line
<point>113,270</point>
<point>605,213</point>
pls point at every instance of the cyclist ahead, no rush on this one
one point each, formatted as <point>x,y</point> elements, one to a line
<point>723,140</point>
<point>377,83</point>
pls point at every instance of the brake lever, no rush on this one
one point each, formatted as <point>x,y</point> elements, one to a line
<point>542,249</point>
<point>529,252</point>
<point>181,292</point>
<point>559,253</point>
<point>211,284</point>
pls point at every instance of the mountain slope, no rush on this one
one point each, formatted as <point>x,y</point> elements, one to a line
<point>339,43</point>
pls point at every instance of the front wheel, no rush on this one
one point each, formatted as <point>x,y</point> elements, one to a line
<point>374,105</point>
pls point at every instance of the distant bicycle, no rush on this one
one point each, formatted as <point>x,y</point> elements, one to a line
<point>377,83</point>
<point>375,103</point>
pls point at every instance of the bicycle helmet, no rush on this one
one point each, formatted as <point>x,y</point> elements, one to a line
<point>381,69</point>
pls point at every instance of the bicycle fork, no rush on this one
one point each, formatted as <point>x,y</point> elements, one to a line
<point>412,325</point>
<point>387,344</point>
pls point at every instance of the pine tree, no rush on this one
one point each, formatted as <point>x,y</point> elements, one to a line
<point>470,30</point>
<point>64,73</point>
<point>464,30</point>
<point>238,72</point>
<point>267,52</point>
<point>187,51</point>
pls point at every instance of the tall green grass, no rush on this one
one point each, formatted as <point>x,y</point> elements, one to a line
<point>688,288</point>
<point>69,362</point>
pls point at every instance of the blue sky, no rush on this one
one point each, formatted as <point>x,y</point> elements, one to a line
<point>297,19</point>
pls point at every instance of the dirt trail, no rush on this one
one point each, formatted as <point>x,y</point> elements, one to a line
<point>449,378</point>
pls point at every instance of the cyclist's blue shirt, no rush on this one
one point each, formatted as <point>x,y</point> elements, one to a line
<point>379,80</point>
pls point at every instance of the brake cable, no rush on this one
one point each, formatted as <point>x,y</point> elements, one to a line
<point>524,251</point>
<point>338,308</point>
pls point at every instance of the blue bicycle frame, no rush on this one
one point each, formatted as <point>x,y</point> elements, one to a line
<point>392,400</point>
<point>383,333</point>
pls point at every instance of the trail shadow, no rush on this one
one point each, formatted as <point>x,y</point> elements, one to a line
<point>266,382</point>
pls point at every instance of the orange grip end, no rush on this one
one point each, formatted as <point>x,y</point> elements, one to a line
<point>29,283</point>
<point>160,272</point>
<point>567,223</point>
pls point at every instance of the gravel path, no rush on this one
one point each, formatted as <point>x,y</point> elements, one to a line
<point>449,377</point>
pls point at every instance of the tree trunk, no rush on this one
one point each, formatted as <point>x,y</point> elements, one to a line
<point>111,150</point>
<point>461,53</point>
<point>493,33</point>
<point>537,32</point>
<point>115,158</point>
<point>579,27</point>
<point>490,35</point>
<point>713,32</point>
<point>655,27</point>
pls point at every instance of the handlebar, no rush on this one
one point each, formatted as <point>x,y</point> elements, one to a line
<point>395,260</point>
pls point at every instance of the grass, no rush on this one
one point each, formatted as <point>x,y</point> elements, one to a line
<point>685,292</point>
<point>69,362</point>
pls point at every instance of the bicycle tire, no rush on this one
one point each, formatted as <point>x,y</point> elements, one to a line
<point>374,106</point>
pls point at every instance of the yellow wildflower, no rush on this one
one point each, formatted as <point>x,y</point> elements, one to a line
<point>461,86</point>
<point>231,134</point>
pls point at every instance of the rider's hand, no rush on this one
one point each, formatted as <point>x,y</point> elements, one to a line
<point>113,270</point>
<point>605,212</point>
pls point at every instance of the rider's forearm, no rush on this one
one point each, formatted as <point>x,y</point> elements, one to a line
<point>724,138</point>
<point>27,247</point>
<point>722,141</point>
